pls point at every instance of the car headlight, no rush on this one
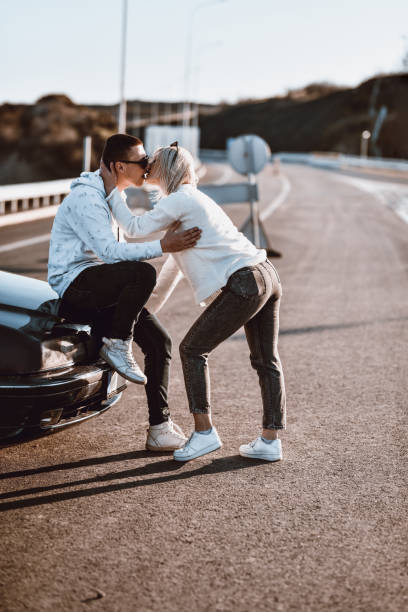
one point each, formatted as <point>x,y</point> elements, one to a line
<point>21,353</point>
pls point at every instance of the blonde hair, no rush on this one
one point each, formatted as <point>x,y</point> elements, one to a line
<point>173,166</point>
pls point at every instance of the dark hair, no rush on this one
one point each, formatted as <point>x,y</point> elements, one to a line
<point>118,146</point>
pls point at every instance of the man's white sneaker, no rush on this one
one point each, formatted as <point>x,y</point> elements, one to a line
<point>258,449</point>
<point>198,445</point>
<point>165,437</point>
<point>118,353</point>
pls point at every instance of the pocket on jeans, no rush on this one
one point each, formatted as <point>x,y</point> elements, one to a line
<point>247,283</point>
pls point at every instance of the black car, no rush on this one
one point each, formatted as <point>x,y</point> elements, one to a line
<point>50,372</point>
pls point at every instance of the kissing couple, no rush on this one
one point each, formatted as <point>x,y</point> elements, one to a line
<point>105,281</point>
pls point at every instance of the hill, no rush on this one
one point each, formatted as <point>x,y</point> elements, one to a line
<point>44,141</point>
<point>320,118</point>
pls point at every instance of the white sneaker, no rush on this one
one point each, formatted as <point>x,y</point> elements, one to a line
<point>165,437</point>
<point>118,353</point>
<point>198,445</point>
<point>258,449</point>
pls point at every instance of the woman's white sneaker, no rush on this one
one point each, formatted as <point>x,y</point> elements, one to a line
<point>165,437</point>
<point>198,445</point>
<point>118,353</point>
<point>258,449</point>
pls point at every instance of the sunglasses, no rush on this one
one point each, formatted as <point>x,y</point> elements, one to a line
<point>141,162</point>
<point>174,144</point>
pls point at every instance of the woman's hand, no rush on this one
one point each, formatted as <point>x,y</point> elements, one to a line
<point>109,177</point>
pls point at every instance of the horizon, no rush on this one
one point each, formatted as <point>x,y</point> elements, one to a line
<point>336,86</point>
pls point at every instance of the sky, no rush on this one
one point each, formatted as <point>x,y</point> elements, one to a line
<point>236,49</point>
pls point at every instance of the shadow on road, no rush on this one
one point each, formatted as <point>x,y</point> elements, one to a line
<point>322,328</point>
<point>142,454</point>
<point>223,464</point>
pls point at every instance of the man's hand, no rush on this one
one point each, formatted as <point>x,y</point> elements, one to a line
<point>109,176</point>
<point>173,242</point>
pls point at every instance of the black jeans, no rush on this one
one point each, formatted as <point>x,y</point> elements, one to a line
<point>110,296</point>
<point>250,298</point>
<point>101,296</point>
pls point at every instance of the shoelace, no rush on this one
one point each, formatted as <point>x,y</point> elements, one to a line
<point>126,350</point>
<point>172,430</point>
<point>176,432</point>
<point>130,360</point>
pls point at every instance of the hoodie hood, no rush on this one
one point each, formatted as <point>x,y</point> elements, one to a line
<point>90,179</point>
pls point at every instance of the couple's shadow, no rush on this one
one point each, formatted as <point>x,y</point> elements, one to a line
<point>154,472</point>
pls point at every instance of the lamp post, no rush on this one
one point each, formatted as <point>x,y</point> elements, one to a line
<point>365,137</point>
<point>122,104</point>
<point>196,88</point>
<point>189,51</point>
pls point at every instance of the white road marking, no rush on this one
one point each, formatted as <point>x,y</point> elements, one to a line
<point>201,171</point>
<point>20,244</point>
<point>227,172</point>
<point>393,195</point>
<point>279,200</point>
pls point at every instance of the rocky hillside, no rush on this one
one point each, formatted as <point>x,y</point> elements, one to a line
<point>320,118</point>
<point>44,141</point>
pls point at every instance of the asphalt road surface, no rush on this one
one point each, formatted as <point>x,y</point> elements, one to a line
<point>91,521</point>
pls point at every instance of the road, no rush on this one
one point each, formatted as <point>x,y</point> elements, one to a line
<point>92,521</point>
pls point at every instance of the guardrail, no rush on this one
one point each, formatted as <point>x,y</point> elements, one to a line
<point>342,161</point>
<point>212,155</point>
<point>29,196</point>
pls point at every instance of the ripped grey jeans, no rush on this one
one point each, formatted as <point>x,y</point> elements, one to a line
<point>250,298</point>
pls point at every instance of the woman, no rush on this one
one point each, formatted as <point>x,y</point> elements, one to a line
<point>238,285</point>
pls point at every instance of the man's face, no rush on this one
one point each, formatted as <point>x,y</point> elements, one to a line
<point>132,173</point>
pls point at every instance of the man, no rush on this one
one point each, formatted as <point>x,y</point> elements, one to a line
<point>102,280</point>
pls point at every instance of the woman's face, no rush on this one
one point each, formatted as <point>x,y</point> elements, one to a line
<point>152,173</point>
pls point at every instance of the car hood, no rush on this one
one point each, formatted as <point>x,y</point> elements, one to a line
<point>24,292</point>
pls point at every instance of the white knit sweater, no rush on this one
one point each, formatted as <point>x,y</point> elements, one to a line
<point>221,250</point>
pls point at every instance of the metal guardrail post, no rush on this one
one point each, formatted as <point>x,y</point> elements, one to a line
<point>254,213</point>
<point>86,163</point>
<point>249,153</point>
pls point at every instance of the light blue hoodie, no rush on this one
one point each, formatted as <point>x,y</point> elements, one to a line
<point>85,234</point>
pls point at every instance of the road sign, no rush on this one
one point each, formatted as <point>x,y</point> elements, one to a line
<point>248,154</point>
<point>232,193</point>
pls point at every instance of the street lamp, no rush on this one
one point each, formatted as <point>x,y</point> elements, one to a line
<point>196,83</point>
<point>122,104</point>
<point>365,137</point>
<point>189,50</point>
